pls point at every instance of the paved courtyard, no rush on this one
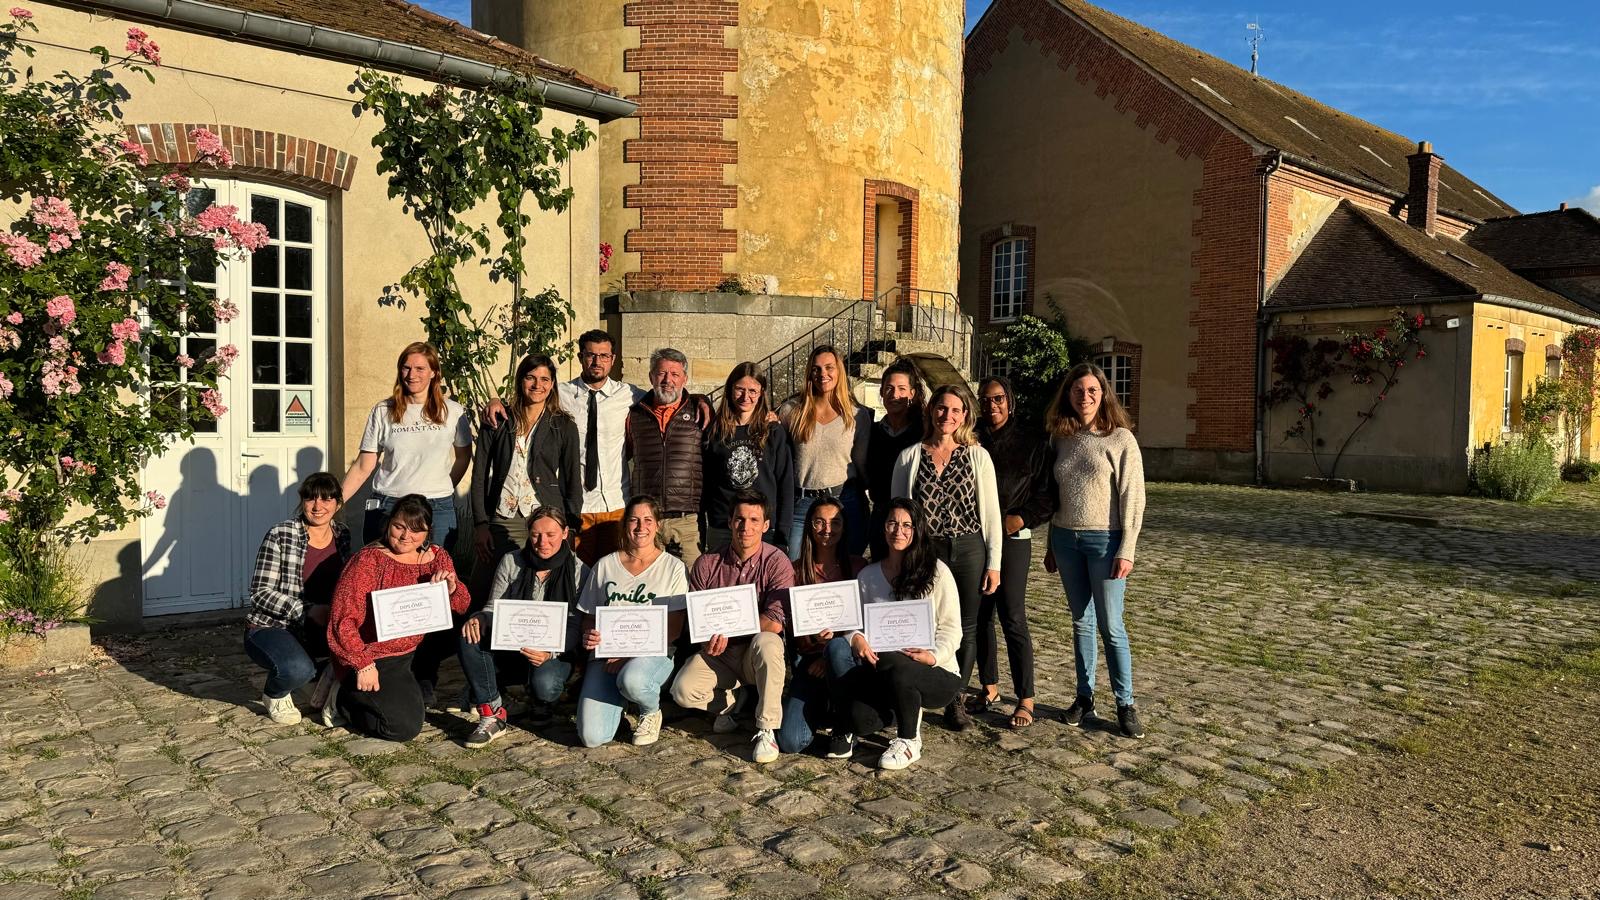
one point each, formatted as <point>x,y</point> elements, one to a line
<point>1274,633</point>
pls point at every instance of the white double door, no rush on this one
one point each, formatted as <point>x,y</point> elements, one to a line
<point>240,474</point>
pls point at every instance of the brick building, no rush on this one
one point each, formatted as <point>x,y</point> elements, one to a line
<point>1179,211</point>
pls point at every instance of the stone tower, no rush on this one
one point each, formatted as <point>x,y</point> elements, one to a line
<point>804,148</point>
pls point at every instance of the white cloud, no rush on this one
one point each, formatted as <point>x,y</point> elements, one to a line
<point>1590,201</point>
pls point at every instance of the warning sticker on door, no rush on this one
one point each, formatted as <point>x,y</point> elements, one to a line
<point>297,412</point>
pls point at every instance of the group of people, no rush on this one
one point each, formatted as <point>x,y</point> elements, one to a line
<point>593,492</point>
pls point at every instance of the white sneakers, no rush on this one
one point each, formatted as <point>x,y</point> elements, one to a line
<point>902,752</point>
<point>766,749</point>
<point>330,708</point>
<point>648,731</point>
<point>282,709</point>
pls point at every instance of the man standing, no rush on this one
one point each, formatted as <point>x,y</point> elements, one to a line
<point>709,678</point>
<point>600,404</point>
<point>665,430</point>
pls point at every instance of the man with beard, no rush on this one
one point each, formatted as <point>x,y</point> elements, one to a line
<point>600,405</point>
<point>664,433</point>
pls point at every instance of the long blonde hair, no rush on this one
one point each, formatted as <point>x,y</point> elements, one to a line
<point>433,408</point>
<point>1062,420</point>
<point>966,435</point>
<point>803,419</point>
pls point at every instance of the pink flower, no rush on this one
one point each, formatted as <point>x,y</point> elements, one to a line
<point>156,500</point>
<point>23,252</point>
<point>54,213</point>
<point>9,340</point>
<point>209,149</point>
<point>57,242</point>
<point>186,361</point>
<point>136,150</point>
<point>58,345</point>
<point>224,310</point>
<point>126,330</point>
<point>12,495</point>
<point>227,232</point>
<point>212,401</point>
<point>177,182</point>
<point>117,279</point>
<point>139,43</point>
<point>56,378</point>
<point>114,354</point>
<point>5,515</point>
<point>18,12</point>
<point>6,387</point>
<point>15,318</point>
<point>61,309</point>
<point>224,357</point>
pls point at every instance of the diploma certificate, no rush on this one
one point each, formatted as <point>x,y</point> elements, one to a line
<point>631,629</point>
<point>535,624</point>
<point>729,611</point>
<point>834,606</point>
<point>411,610</point>
<point>899,625</point>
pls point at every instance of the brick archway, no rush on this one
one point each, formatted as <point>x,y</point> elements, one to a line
<point>906,198</point>
<point>283,158</point>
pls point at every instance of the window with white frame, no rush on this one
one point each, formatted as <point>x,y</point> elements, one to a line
<point>999,366</point>
<point>1513,391</point>
<point>1552,367</point>
<point>1010,279</point>
<point>1119,372</point>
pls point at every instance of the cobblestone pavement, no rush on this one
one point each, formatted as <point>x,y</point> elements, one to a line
<point>1273,632</point>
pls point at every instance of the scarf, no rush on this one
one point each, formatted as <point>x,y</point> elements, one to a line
<point>558,585</point>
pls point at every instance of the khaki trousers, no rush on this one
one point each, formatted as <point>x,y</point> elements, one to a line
<point>684,532</point>
<point>708,682</point>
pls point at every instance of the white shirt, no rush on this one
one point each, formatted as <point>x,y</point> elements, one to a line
<point>517,497</point>
<point>415,456</point>
<point>663,582</point>
<point>946,609</point>
<point>613,399</point>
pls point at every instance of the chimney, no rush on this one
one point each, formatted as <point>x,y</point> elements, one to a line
<point>1563,207</point>
<point>1422,200</point>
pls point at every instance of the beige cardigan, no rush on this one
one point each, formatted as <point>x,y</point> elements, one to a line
<point>905,475</point>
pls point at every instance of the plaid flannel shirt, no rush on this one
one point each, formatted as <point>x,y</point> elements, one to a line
<point>276,590</point>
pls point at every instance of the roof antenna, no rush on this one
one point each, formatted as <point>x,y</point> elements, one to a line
<point>1255,43</point>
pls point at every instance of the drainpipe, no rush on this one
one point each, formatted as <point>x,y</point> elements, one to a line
<point>1274,160</point>
<point>192,15</point>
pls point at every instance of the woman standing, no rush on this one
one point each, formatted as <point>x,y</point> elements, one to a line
<point>829,431</point>
<point>952,480</point>
<point>900,390</point>
<point>816,659</point>
<point>291,591</point>
<point>528,461</point>
<point>379,695</point>
<point>1099,476</point>
<point>1022,477</point>
<point>745,451</point>
<point>641,572</point>
<point>544,569</point>
<point>902,682</point>
<point>419,442</point>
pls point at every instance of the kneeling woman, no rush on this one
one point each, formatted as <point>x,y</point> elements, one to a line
<point>544,569</point>
<point>378,694</point>
<point>902,682</point>
<point>641,572</point>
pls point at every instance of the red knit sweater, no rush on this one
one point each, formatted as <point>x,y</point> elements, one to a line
<point>352,634</point>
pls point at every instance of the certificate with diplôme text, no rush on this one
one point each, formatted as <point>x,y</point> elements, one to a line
<point>631,629</point>
<point>729,611</point>
<point>534,624</point>
<point>899,625</point>
<point>411,610</point>
<point>833,606</point>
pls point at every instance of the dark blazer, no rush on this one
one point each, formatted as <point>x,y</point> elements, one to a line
<point>1022,470</point>
<point>553,467</point>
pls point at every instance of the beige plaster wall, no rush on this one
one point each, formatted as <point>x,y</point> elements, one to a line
<point>1491,325</point>
<point>1114,211</point>
<point>373,242</point>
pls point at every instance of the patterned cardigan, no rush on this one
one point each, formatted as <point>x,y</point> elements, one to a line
<point>276,591</point>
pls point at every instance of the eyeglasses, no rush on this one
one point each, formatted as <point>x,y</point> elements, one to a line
<point>899,526</point>
<point>589,354</point>
<point>997,400</point>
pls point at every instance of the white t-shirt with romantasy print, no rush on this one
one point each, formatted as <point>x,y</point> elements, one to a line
<point>415,455</point>
<point>663,582</point>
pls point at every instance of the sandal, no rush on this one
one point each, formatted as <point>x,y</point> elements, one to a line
<point>983,703</point>
<point>1021,718</point>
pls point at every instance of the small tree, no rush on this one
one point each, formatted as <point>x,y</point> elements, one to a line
<point>1039,353</point>
<point>1580,378</point>
<point>446,151</point>
<point>93,302</point>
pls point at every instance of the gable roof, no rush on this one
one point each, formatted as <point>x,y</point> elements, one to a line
<point>1284,119</point>
<point>1365,258</point>
<point>1548,240</point>
<point>392,21</point>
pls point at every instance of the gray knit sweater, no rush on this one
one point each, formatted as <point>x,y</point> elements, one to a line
<point>1100,485</point>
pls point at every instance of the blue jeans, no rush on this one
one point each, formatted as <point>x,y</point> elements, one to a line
<point>805,703</point>
<point>287,663</point>
<point>855,521</point>
<point>1084,560</point>
<point>444,520</point>
<point>545,683</point>
<point>604,694</point>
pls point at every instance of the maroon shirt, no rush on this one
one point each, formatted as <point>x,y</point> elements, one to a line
<point>768,569</point>
<point>320,574</point>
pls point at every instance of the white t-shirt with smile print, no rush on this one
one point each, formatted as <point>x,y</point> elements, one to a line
<point>663,582</point>
<point>415,455</point>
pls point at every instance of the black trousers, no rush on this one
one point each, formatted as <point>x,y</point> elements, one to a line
<point>1010,602</point>
<point>967,556</point>
<point>865,696</point>
<point>394,711</point>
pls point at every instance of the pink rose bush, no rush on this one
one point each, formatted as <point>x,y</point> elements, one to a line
<point>116,277</point>
<point>139,44</point>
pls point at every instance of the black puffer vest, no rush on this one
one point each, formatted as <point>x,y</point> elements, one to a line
<point>667,464</point>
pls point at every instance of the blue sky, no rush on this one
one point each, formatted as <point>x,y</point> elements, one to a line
<point>1508,93</point>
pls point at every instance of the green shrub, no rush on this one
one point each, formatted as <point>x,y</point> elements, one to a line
<point>1522,469</point>
<point>40,590</point>
<point>1581,470</point>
